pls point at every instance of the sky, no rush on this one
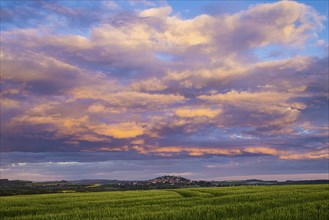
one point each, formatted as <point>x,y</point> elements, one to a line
<point>132,90</point>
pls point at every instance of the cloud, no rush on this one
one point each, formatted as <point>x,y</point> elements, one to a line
<point>192,151</point>
<point>139,100</point>
<point>162,12</point>
<point>321,154</point>
<point>201,151</point>
<point>271,109</point>
<point>7,104</point>
<point>101,108</point>
<point>82,128</point>
<point>285,22</point>
<point>234,97</point>
<point>105,149</point>
<point>200,112</point>
<point>138,80</point>
<point>110,4</point>
<point>121,130</point>
<point>152,84</point>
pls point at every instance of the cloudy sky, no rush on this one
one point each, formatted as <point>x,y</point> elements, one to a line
<point>138,89</point>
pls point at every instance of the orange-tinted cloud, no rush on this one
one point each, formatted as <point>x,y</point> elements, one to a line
<point>199,112</point>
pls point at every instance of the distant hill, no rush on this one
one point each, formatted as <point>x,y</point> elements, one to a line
<point>170,180</point>
<point>94,181</point>
<point>15,187</point>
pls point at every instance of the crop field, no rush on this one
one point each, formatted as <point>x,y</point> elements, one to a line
<point>245,202</point>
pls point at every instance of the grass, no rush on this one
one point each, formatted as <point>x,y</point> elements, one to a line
<point>245,202</point>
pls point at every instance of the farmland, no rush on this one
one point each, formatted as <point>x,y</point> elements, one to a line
<point>242,202</point>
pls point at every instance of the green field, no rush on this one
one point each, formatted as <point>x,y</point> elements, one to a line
<point>244,202</point>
